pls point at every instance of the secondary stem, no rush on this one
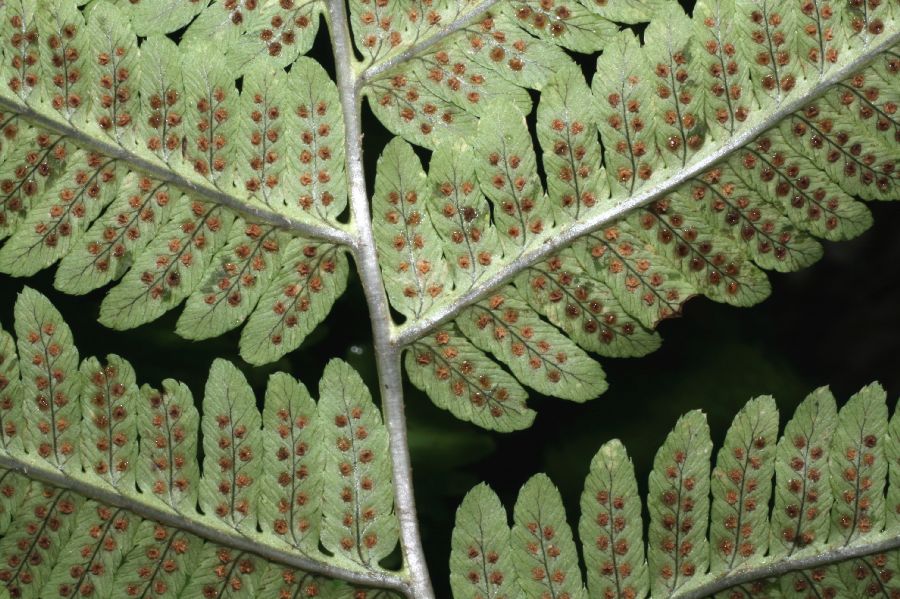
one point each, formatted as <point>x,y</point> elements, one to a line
<point>197,188</point>
<point>618,209</point>
<point>205,527</point>
<point>387,355</point>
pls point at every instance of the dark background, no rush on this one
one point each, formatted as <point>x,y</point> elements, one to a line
<point>835,323</point>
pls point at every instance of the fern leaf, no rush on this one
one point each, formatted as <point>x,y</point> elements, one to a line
<point>264,144</point>
<point>12,423</point>
<point>621,106</point>
<point>535,352</point>
<point>406,106</point>
<point>163,105</point>
<point>816,204</point>
<point>408,245</point>
<point>47,519</point>
<point>115,93</point>
<point>742,485</point>
<point>762,232</point>
<point>224,573</point>
<point>25,174</point>
<point>138,518</point>
<point>170,268</point>
<point>59,219</point>
<point>220,22</point>
<point>460,214</point>
<point>498,45</point>
<point>245,265</point>
<point>131,221</point>
<point>290,500</point>
<point>571,25</point>
<point>669,55</point>
<point>159,562</point>
<point>22,71</point>
<point>376,28</point>
<point>168,423</point>
<point>542,547</point>
<point>318,143</point>
<point>481,563</point>
<point>773,63</point>
<point>232,448</point>
<point>648,286</point>
<point>311,278</point>
<point>858,478</point>
<point>827,536</point>
<point>109,403</point>
<point>460,378</point>
<point>576,181</point>
<point>858,467</point>
<point>802,491</point>
<point>66,68</point>
<point>358,519</point>
<point>584,308</point>
<point>724,74</point>
<point>443,92</point>
<point>51,382</point>
<point>211,120</point>
<point>677,548</point>
<point>275,35</point>
<point>710,263</point>
<point>610,526</point>
<point>101,537</point>
<point>507,171</point>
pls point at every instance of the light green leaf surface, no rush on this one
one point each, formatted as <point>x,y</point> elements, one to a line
<point>358,522</point>
<point>232,448</point>
<point>543,550</point>
<point>481,563</point>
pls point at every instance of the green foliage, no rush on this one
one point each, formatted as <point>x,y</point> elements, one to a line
<point>830,535</point>
<point>357,506</point>
<point>142,518</point>
<point>188,153</point>
<point>205,172</point>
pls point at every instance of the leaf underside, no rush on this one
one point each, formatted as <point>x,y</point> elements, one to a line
<point>187,152</point>
<point>132,515</point>
<point>832,530</point>
<point>212,170</point>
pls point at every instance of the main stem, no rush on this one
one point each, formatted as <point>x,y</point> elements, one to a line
<point>387,354</point>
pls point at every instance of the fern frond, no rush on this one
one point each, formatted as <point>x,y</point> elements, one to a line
<point>139,162</point>
<point>102,492</point>
<point>728,144</point>
<point>199,171</point>
<point>829,534</point>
